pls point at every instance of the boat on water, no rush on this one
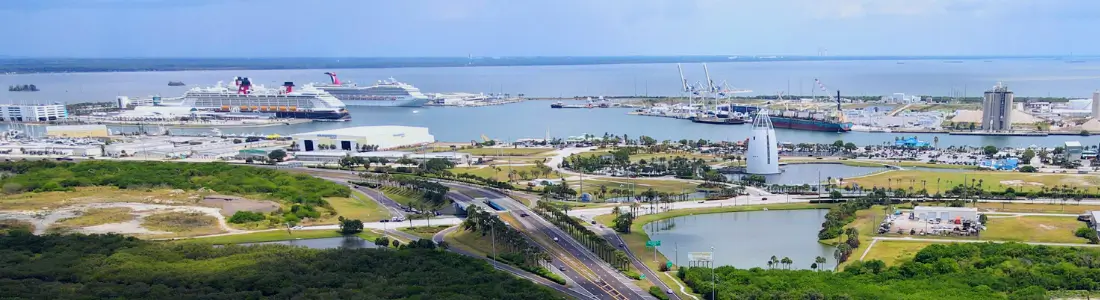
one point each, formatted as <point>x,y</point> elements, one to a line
<point>176,83</point>
<point>718,120</point>
<point>244,97</point>
<point>390,92</point>
<point>563,105</point>
<point>812,120</point>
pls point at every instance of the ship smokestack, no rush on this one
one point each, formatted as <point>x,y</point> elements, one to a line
<point>289,86</point>
<point>244,86</point>
<point>332,77</point>
<point>838,100</point>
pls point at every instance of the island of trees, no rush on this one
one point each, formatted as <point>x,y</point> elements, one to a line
<point>939,271</point>
<point>22,88</point>
<point>112,266</point>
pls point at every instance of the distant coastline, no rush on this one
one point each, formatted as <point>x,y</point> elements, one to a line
<point>83,65</point>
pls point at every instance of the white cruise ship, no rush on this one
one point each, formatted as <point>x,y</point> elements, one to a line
<point>384,93</point>
<point>305,103</point>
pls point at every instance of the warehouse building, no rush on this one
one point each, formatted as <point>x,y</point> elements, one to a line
<point>32,113</point>
<point>81,131</point>
<point>946,213</point>
<point>355,138</point>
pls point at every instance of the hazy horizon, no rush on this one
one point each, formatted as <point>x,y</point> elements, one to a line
<point>573,28</point>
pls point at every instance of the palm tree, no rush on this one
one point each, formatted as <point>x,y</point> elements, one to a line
<point>773,261</point>
<point>787,261</point>
<point>820,261</point>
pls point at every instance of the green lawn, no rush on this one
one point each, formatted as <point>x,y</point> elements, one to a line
<point>362,208</point>
<point>892,252</point>
<point>264,236</point>
<point>1038,207</point>
<point>403,196</point>
<point>425,232</point>
<point>991,181</point>
<point>1034,229</point>
<point>500,173</point>
<point>505,151</point>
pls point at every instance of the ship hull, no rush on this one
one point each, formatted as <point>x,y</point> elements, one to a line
<point>315,115</point>
<point>386,103</point>
<point>811,125</point>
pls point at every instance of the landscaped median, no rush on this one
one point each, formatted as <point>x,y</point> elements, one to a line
<point>636,239</point>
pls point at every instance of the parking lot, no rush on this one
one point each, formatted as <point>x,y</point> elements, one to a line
<point>904,225</point>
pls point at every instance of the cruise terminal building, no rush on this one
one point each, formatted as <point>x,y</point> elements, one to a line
<point>353,138</point>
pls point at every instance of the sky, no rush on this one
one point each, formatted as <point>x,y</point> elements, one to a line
<point>417,28</point>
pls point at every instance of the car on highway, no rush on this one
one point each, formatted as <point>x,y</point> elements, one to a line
<point>555,239</point>
<point>523,215</point>
<point>561,268</point>
<point>384,220</point>
<point>669,291</point>
<point>763,198</point>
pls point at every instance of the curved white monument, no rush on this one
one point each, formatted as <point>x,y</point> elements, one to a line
<point>763,152</point>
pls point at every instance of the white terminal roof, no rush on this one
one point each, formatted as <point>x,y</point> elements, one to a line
<point>365,130</point>
<point>1073,144</point>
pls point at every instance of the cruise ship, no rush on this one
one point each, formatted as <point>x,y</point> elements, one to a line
<point>384,93</point>
<point>305,103</point>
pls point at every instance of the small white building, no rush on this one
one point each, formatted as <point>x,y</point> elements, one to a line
<point>945,213</point>
<point>1073,151</point>
<point>353,138</point>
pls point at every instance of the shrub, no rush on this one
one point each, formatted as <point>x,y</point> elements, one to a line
<point>657,292</point>
<point>244,216</point>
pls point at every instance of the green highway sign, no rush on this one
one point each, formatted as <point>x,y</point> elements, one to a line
<point>642,276</point>
<point>653,243</point>
<point>668,264</point>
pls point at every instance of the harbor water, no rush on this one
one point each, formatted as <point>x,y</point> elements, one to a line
<point>735,237</point>
<point>534,119</point>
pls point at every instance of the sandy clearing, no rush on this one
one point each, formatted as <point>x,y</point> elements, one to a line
<point>43,219</point>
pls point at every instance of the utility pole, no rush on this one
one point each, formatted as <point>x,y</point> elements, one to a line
<point>493,231</point>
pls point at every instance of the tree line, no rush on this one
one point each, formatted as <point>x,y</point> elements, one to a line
<point>939,271</point>
<point>594,242</point>
<point>45,176</point>
<point>112,266</point>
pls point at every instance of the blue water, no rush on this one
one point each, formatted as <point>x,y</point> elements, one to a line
<point>534,119</point>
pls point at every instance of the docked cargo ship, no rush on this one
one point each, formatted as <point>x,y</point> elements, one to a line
<point>812,120</point>
<point>305,103</point>
<point>384,93</point>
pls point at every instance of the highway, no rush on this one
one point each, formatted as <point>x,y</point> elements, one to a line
<point>608,280</point>
<point>438,237</point>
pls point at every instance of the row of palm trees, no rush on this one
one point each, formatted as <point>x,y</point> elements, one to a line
<point>589,239</point>
<point>508,239</point>
<point>787,262</point>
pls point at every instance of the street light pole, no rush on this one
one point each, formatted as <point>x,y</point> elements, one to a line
<point>713,280</point>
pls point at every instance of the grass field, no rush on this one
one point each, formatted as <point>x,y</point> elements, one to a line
<point>991,181</point>
<point>265,236</point>
<point>865,223</point>
<point>1034,229</point>
<point>361,208</point>
<point>669,156</point>
<point>470,241</point>
<point>182,223</point>
<point>403,196</point>
<point>424,231</point>
<point>491,172</point>
<point>1038,207</point>
<point>505,151</point>
<point>84,195</point>
<point>97,216</point>
<point>592,186</point>
<point>892,252</point>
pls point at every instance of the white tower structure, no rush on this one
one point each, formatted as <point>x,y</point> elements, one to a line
<point>1096,105</point>
<point>763,147</point>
